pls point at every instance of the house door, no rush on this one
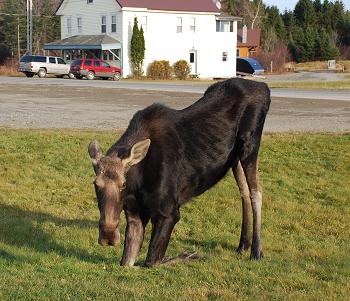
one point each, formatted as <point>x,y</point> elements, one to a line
<point>193,61</point>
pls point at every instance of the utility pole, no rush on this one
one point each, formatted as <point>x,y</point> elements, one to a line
<point>29,26</point>
<point>18,40</point>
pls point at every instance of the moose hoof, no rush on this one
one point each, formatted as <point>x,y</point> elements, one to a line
<point>242,247</point>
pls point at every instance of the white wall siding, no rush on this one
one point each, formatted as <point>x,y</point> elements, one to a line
<point>163,42</point>
<point>91,17</point>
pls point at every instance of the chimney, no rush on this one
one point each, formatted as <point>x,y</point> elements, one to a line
<point>244,34</point>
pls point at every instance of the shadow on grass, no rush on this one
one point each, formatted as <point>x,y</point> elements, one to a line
<point>22,228</point>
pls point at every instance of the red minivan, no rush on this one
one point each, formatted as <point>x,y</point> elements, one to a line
<point>91,68</point>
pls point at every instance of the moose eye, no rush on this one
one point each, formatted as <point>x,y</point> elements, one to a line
<point>123,187</point>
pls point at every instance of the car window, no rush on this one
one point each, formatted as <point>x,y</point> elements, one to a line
<point>88,63</point>
<point>52,60</point>
<point>76,62</point>
<point>39,59</point>
<point>26,59</point>
<point>105,65</point>
<point>97,63</point>
<point>60,61</point>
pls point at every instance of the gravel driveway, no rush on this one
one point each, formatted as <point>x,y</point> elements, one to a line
<point>54,106</point>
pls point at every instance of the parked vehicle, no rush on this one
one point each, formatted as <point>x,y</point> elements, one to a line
<point>247,66</point>
<point>91,68</point>
<point>43,65</point>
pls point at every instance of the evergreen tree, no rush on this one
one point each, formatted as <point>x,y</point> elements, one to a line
<point>305,14</point>
<point>137,49</point>
<point>273,19</point>
<point>324,49</point>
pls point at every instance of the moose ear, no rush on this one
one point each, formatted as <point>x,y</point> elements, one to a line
<point>138,153</point>
<point>95,152</point>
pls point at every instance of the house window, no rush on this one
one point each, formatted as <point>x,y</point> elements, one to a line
<point>224,26</point>
<point>80,24</point>
<point>192,24</point>
<point>114,23</point>
<point>103,24</point>
<point>143,23</point>
<point>224,56</point>
<point>191,57</point>
<point>69,25</point>
<point>90,1</point>
<point>178,24</point>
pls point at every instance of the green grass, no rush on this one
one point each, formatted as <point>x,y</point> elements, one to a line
<point>48,226</point>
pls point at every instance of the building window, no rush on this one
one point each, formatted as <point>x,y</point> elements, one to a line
<point>178,24</point>
<point>143,23</point>
<point>224,26</point>
<point>224,56</point>
<point>192,24</point>
<point>80,24</point>
<point>237,53</point>
<point>114,23</point>
<point>69,25</point>
<point>191,57</point>
<point>103,24</point>
<point>90,1</point>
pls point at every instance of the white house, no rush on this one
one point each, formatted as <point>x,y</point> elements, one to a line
<point>193,30</point>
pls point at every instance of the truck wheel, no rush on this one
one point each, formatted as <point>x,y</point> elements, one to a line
<point>90,75</point>
<point>42,73</point>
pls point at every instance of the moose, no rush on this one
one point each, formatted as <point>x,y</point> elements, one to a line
<point>166,157</point>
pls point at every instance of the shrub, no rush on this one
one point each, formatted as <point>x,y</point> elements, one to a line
<point>181,69</point>
<point>159,70</point>
<point>279,57</point>
<point>10,68</point>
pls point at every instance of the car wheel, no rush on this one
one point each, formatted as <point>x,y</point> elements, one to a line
<point>71,75</point>
<point>116,76</point>
<point>90,75</point>
<point>42,73</point>
<point>29,74</point>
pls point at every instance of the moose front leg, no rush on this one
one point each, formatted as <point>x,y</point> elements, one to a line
<point>162,228</point>
<point>134,235</point>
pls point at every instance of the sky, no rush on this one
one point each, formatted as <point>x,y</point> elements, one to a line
<point>290,4</point>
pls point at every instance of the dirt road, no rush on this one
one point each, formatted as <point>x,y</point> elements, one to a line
<point>52,106</point>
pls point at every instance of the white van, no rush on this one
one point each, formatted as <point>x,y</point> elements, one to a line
<point>42,65</point>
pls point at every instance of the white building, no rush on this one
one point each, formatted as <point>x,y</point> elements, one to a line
<point>193,30</point>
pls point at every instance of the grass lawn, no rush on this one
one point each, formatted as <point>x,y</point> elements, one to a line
<point>48,226</point>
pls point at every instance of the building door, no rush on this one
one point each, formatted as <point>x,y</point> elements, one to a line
<point>193,61</point>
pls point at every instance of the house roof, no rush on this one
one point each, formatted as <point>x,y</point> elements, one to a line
<point>170,5</point>
<point>84,42</point>
<point>173,5</point>
<point>253,38</point>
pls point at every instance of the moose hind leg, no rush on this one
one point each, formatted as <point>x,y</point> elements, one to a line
<point>250,167</point>
<point>244,242</point>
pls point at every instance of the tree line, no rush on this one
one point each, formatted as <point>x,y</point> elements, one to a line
<point>13,22</point>
<point>314,30</point>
